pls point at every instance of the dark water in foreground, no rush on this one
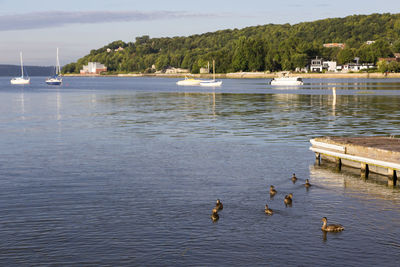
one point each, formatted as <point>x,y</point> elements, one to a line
<point>108,171</point>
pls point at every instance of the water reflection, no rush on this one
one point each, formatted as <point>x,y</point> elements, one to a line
<point>353,185</point>
<point>58,101</point>
<point>22,103</point>
<point>270,116</point>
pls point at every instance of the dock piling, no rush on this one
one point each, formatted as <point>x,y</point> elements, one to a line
<point>318,159</point>
<point>338,164</point>
<point>392,177</point>
<point>364,170</point>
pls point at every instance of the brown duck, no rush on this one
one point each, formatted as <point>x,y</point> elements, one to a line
<point>331,227</point>
<point>219,205</point>
<point>214,215</point>
<point>268,211</point>
<point>272,191</point>
<point>294,178</point>
<point>288,199</point>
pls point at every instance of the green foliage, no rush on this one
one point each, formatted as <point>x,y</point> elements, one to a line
<point>392,66</point>
<point>260,48</point>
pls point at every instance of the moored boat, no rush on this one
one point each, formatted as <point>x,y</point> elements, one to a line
<point>22,79</point>
<point>213,82</point>
<point>189,82</point>
<point>56,79</point>
<point>287,81</point>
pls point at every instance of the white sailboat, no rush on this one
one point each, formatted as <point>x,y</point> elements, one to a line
<point>56,79</point>
<point>213,82</point>
<point>188,82</point>
<point>22,79</point>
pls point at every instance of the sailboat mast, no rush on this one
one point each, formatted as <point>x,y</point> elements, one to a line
<point>58,65</point>
<point>214,69</point>
<point>22,67</point>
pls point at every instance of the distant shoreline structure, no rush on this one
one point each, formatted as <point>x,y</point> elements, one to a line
<point>253,75</point>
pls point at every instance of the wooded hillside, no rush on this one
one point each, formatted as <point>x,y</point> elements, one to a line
<point>268,47</point>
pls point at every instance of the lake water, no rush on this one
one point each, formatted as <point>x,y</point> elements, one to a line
<point>126,171</point>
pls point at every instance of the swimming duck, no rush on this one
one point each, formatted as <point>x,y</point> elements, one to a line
<point>268,211</point>
<point>294,178</point>
<point>288,199</point>
<point>272,191</point>
<point>219,205</point>
<point>307,184</point>
<point>214,215</point>
<point>331,227</point>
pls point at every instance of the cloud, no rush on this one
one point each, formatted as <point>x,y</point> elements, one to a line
<point>49,19</point>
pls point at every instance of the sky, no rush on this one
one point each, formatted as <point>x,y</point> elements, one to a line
<point>38,27</point>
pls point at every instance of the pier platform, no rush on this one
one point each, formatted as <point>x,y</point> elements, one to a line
<point>377,154</point>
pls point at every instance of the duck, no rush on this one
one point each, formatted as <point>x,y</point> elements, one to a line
<point>268,211</point>
<point>288,199</point>
<point>307,184</point>
<point>214,215</point>
<point>219,205</point>
<point>330,227</point>
<point>294,178</point>
<point>272,191</point>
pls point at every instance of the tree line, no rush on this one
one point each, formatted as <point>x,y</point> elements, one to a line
<point>260,48</point>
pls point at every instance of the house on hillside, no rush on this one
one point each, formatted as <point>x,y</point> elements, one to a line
<point>356,67</point>
<point>319,65</point>
<point>204,70</point>
<point>316,65</point>
<point>329,65</point>
<point>172,70</point>
<point>333,45</point>
<point>93,68</point>
<point>396,58</point>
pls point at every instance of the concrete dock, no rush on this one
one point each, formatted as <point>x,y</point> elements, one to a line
<point>379,155</point>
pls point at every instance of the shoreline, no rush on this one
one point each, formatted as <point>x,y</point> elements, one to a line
<point>252,75</point>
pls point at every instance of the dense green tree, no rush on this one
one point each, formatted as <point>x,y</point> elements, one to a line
<point>240,60</point>
<point>345,56</point>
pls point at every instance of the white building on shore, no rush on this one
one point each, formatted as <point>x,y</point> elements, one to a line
<point>93,68</point>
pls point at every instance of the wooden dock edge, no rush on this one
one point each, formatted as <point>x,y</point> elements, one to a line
<point>337,154</point>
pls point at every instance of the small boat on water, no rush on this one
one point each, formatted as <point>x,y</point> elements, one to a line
<point>189,82</point>
<point>213,82</point>
<point>287,81</point>
<point>22,79</point>
<point>56,79</point>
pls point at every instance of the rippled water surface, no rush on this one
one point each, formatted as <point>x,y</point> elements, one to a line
<point>126,171</point>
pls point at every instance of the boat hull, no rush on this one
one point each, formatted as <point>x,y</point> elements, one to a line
<point>54,81</point>
<point>287,81</point>
<point>20,81</point>
<point>211,83</point>
<point>189,82</point>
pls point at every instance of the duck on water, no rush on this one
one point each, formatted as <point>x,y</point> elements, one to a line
<point>331,227</point>
<point>294,178</point>
<point>268,211</point>
<point>219,205</point>
<point>288,199</point>
<point>214,215</point>
<point>272,191</point>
